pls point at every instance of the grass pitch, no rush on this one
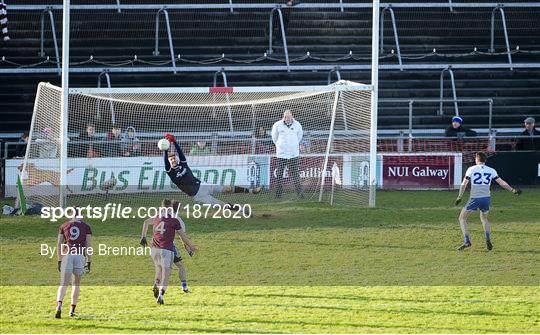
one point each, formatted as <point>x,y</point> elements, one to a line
<point>299,268</point>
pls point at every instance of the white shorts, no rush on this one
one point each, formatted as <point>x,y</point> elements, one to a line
<point>204,196</point>
<point>72,264</point>
<point>162,257</point>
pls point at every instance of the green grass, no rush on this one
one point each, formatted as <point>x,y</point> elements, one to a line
<point>305,268</point>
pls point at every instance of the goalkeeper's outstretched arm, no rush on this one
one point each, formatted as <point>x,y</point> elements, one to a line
<point>180,153</point>
<point>166,158</point>
<point>507,187</point>
<point>172,139</point>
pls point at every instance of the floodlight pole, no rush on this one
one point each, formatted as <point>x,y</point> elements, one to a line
<point>64,103</point>
<point>374,106</point>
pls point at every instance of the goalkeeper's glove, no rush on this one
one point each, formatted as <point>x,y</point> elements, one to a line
<point>516,191</point>
<point>457,202</point>
<point>170,138</point>
<point>59,266</point>
<point>143,242</point>
<point>87,267</point>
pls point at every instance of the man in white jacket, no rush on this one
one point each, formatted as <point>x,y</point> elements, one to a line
<point>287,134</point>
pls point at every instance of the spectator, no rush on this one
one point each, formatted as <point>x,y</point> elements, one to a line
<point>47,144</point>
<point>532,140</point>
<point>457,130</point>
<point>132,147</point>
<point>90,148</point>
<point>114,139</point>
<point>4,21</point>
<point>287,135</point>
<point>305,146</point>
<point>20,149</point>
<point>262,141</point>
<point>200,148</point>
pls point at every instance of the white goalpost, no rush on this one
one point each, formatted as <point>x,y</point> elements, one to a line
<point>374,102</point>
<point>64,102</point>
<point>95,145</point>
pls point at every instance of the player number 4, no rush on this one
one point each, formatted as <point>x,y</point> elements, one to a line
<point>160,228</point>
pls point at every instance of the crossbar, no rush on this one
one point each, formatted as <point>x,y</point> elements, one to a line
<point>242,89</point>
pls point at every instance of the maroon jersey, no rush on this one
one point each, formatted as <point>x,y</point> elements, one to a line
<point>75,233</point>
<point>164,230</point>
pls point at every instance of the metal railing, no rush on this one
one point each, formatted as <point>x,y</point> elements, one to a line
<point>412,102</point>
<point>386,7</point>
<point>270,5</point>
<point>292,67</point>
<point>169,36</point>
<point>394,28</point>
<point>283,35</point>
<point>41,53</point>
<point>248,138</point>
<point>505,31</point>
<point>441,93</point>
<point>105,74</point>
<point>335,71</point>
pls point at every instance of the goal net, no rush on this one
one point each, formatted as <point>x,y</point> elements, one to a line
<point>226,134</point>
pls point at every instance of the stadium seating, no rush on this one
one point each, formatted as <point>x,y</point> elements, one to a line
<point>110,37</point>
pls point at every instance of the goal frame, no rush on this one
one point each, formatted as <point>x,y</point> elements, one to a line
<point>337,88</point>
<point>340,86</point>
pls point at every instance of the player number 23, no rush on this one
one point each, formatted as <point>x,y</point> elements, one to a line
<point>481,178</point>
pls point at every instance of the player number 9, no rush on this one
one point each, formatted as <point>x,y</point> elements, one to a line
<point>74,233</point>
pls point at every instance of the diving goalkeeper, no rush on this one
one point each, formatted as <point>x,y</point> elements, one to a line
<point>178,170</point>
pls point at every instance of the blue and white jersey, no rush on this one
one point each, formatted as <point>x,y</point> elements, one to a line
<point>481,177</point>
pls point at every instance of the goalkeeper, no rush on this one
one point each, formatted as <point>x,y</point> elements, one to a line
<point>182,176</point>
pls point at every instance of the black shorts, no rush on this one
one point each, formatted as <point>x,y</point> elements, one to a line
<point>190,186</point>
<point>176,253</point>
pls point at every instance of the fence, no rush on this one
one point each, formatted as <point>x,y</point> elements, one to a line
<point>247,143</point>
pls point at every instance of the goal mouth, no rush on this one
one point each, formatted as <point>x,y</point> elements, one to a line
<point>231,136</point>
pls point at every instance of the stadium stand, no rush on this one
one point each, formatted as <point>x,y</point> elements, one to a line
<point>202,37</point>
